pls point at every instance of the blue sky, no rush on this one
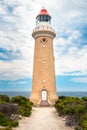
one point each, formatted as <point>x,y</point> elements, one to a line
<point>17,21</point>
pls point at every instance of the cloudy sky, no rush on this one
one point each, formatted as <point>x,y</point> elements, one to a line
<point>17,21</point>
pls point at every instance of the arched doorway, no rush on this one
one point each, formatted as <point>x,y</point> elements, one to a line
<point>44,95</point>
<point>44,98</point>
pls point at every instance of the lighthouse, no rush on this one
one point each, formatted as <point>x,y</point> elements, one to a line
<point>43,80</point>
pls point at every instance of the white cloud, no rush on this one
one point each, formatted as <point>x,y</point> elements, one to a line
<point>3,56</point>
<point>18,24</point>
<point>21,82</point>
<point>2,10</point>
<point>80,80</point>
<point>73,60</point>
<point>16,69</point>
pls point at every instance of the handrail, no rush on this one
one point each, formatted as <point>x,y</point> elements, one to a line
<point>44,27</point>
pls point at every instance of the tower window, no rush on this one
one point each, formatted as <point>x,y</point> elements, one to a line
<point>44,18</point>
<point>44,61</point>
<point>44,39</point>
<point>43,45</point>
<point>44,80</point>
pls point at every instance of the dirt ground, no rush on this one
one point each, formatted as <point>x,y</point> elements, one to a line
<point>43,118</point>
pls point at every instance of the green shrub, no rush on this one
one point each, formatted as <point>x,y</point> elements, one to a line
<point>28,105</point>
<point>75,109</point>
<point>21,100</point>
<point>25,105</point>
<point>4,98</point>
<point>0,101</point>
<point>8,109</point>
<point>84,125</point>
<point>14,123</point>
<point>62,97</point>
<point>24,111</point>
<point>84,98</point>
<point>3,120</point>
<point>83,117</point>
<point>76,128</point>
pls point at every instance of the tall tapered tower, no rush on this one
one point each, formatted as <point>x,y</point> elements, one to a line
<point>43,83</point>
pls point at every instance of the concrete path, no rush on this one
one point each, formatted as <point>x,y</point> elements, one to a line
<point>43,118</point>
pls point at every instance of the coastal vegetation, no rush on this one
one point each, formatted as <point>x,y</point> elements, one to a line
<point>11,110</point>
<point>75,111</point>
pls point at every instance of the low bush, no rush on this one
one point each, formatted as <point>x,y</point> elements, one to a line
<point>4,121</point>
<point>24,111</point>
<point>75,109</point>
<point>25,105</point>
<point>8,109</point>
<point>0,101</point>
<point>11,108</point>
<point>84,125</point>
<point>13,123</point>
<point>21,100</point>
<point>4,98</point>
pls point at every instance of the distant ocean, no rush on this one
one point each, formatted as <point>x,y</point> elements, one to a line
<point>27,94</point>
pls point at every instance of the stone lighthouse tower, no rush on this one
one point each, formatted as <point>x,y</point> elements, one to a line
<point>43,84</point>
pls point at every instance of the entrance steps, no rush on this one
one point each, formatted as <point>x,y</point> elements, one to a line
<point>44,104</point>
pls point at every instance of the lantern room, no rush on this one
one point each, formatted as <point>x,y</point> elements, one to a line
<point>43,17</point>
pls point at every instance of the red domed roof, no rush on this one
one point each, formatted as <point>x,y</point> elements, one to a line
<point>43,12</point>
